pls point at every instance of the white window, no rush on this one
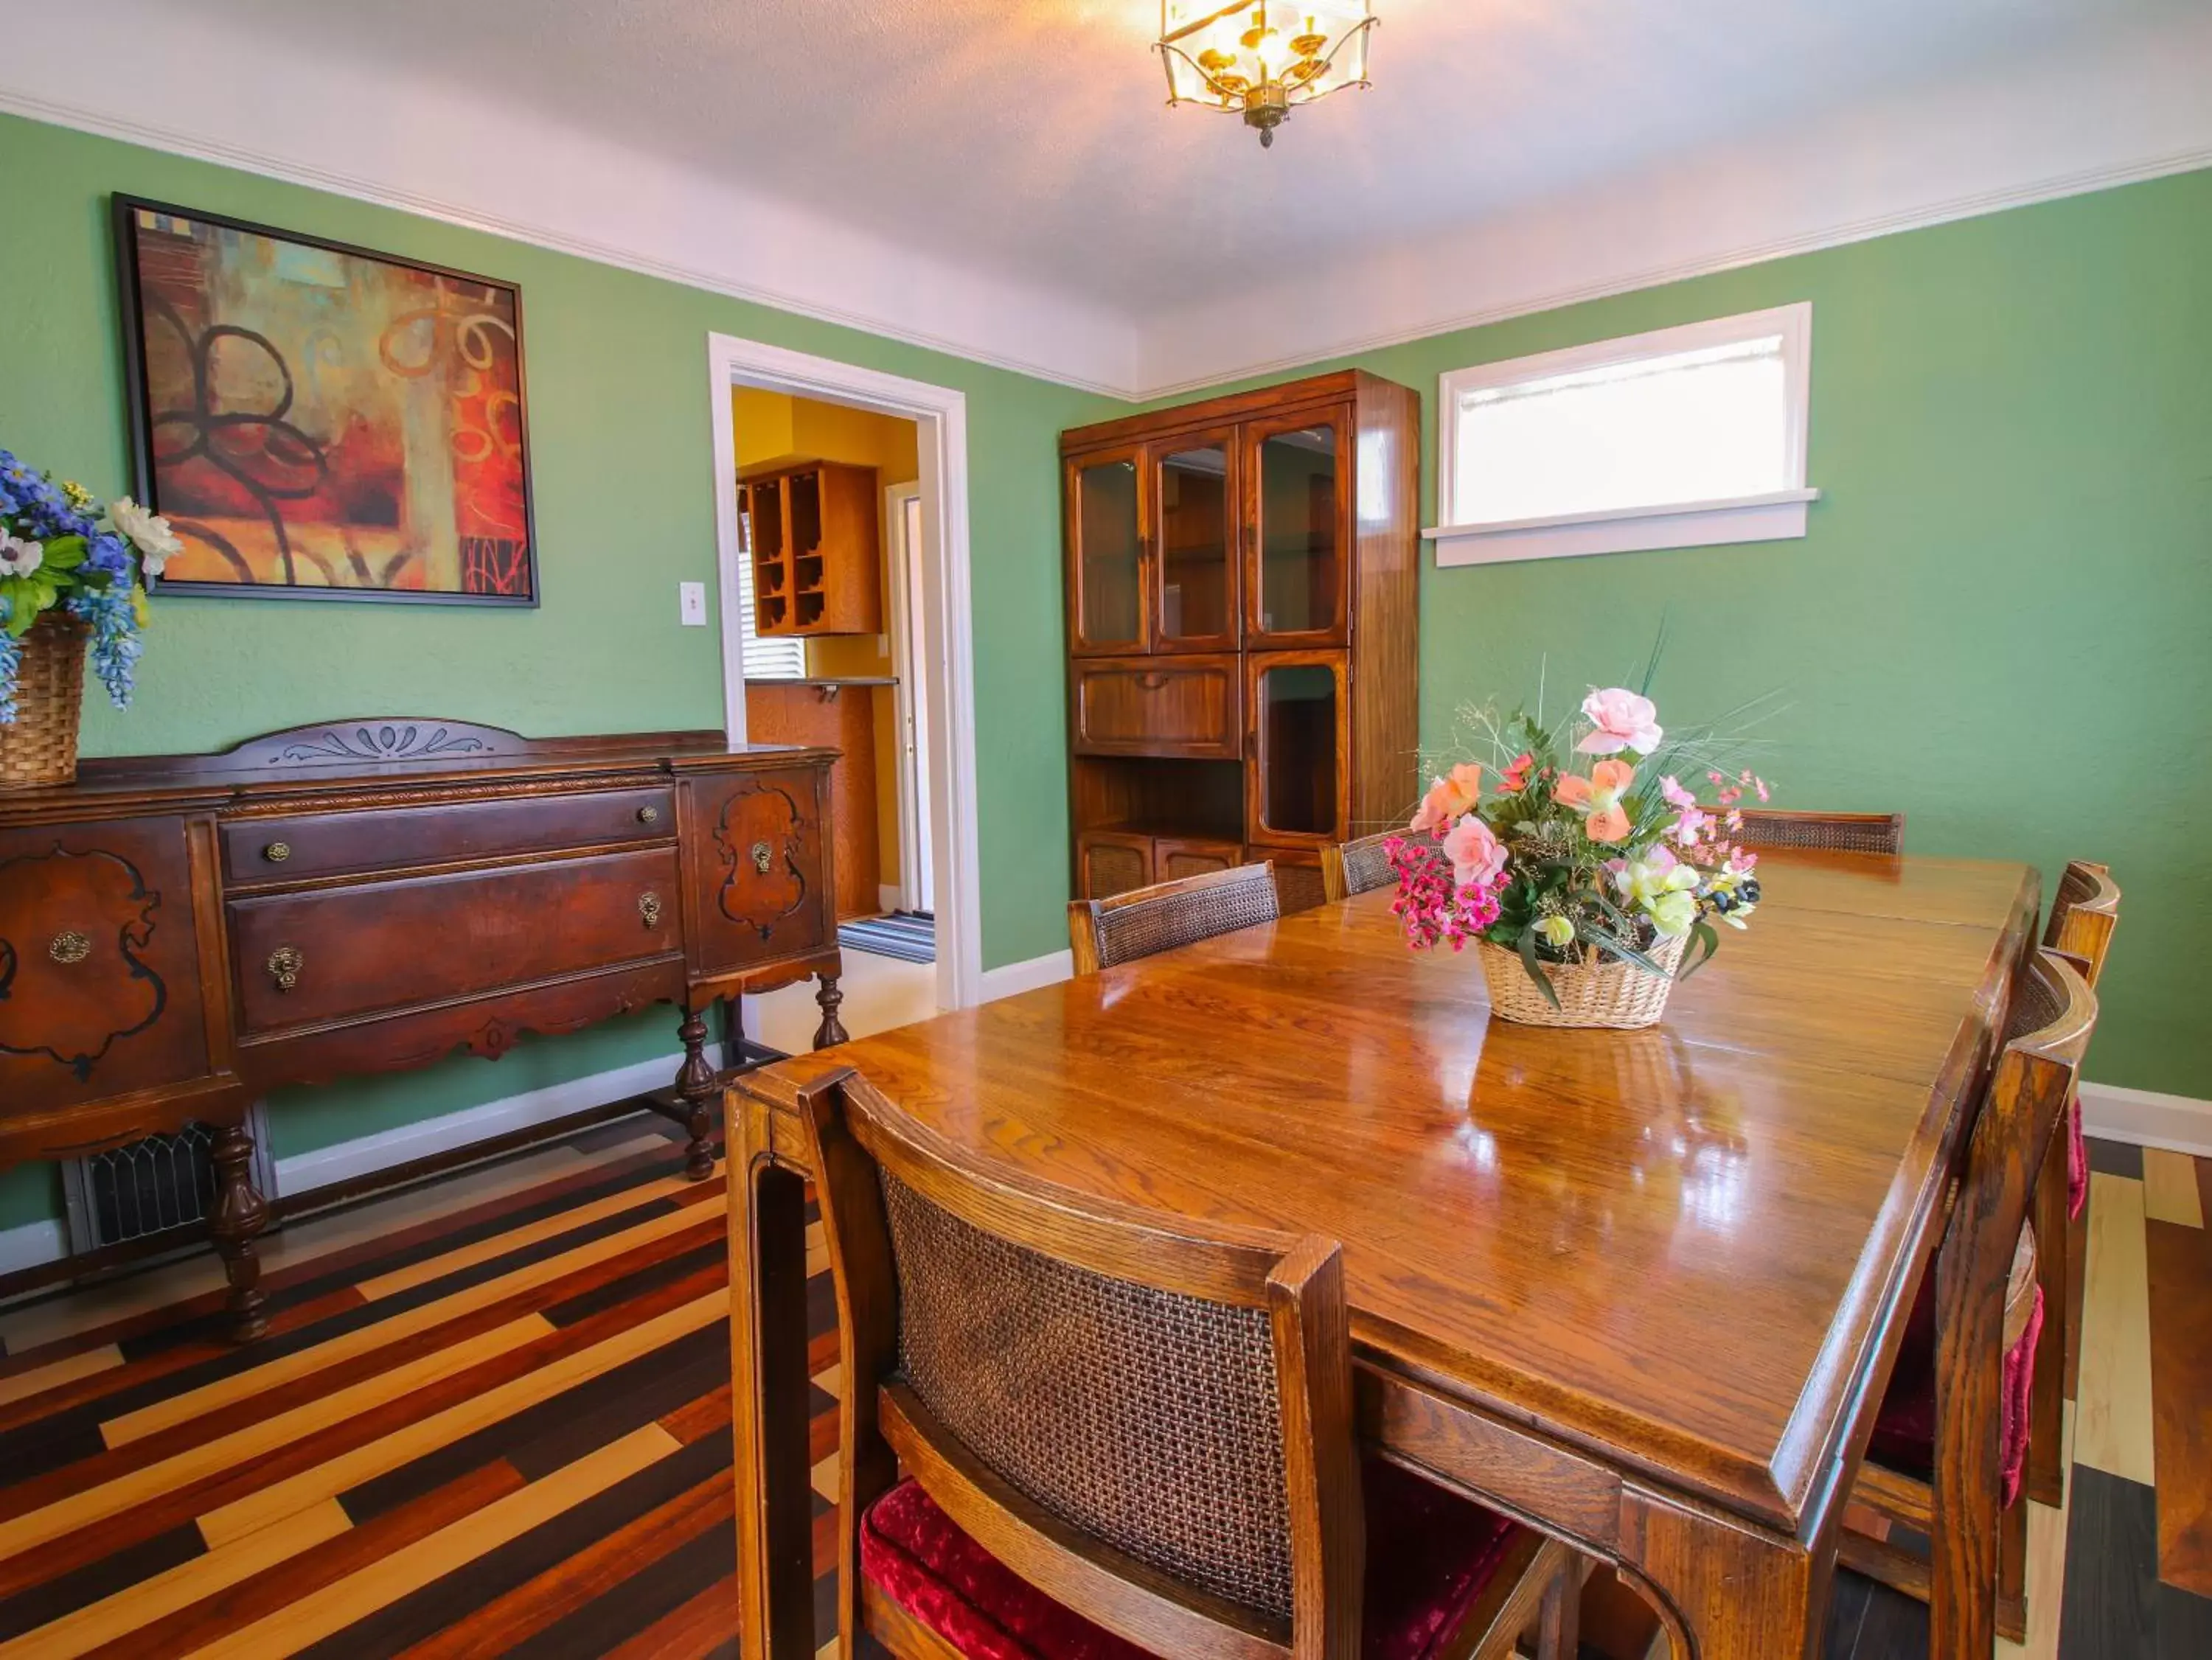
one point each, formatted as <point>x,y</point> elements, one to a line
<point>1675,439</point>
<point>764,659</point>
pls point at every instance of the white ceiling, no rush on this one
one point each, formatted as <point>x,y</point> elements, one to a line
<point>1022,146</point>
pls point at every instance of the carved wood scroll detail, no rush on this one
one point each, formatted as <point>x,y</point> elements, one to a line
<point>757,891</point>
<point>71,980</point>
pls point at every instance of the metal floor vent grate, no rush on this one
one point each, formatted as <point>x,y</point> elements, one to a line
<point>154,1186</point>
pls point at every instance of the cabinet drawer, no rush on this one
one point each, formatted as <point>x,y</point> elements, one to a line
<point>347,952</point>
<point>758,863</point>
<point>1189,706</point>
<point>335,844</point>
<point>99,987</point>
<point>1176,856</point>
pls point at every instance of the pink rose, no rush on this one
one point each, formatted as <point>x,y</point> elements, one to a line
<point>1477,855</point>
<point>1675,795</point>
<point>1623,721</point>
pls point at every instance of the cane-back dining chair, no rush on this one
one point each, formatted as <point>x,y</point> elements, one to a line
<point>1123,1434</point>
<point>1948,1454</point>
<point>1357,867</point>
<point>2083,917</point>
<point>1145,920</point>
<point>1837,832</point>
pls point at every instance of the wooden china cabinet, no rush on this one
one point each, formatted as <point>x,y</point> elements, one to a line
<point>1241,631</point>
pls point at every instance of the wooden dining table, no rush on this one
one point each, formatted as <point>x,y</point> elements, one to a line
<point>1641,1289</point>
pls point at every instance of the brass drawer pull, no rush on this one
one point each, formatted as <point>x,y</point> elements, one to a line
<point>277,851</point>
<point>762,855</point>
<point>284,965</point>
<point>648,815</point>
<point>648,906</point>
<point>1151,682</point>
<point>70,948</point>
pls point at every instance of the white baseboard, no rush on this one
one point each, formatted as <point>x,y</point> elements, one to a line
<point>2179,1124</point>
<point>1014,977</point>
<point>366,1154</point>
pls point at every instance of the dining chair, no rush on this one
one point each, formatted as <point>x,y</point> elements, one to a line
<point>1145,920</point>
<point>1946,1460</point>
<point>2083,916</point>
<point>1121,1435</point>
<point>1357,867</point>
<point>1840,832</point>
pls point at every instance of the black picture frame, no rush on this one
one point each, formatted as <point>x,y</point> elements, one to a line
<point>142,419</point>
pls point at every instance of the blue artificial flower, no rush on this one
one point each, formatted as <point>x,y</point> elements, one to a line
<point>109,555</point>
<point>115,641</point>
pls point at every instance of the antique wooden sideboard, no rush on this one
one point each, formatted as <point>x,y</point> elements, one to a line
<point>181,934</point>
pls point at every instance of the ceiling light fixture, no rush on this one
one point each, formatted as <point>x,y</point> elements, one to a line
<point>1258,58</point>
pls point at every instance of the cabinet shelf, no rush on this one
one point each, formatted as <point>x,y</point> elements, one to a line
<point>813,530</point>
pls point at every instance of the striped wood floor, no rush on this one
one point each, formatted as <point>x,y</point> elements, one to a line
<point>493,1418</point>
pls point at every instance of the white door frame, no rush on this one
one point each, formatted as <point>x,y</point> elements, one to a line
<point>948,684</point>
<point>913,795</point>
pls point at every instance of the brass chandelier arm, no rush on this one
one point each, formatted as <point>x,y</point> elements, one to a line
<point>1206,23</point>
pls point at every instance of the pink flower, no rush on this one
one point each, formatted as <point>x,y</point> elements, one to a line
<point>1597,797</point>
<point>1448,798</point>
<point>1675,795</point>
<point>1687,828</point>
<point>1623,721</point>
<point>1515,777</point>
<point>1477,855</point>
<point>1760,785</point>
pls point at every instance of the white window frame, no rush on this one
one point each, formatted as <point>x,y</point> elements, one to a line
<point>1773,516</point>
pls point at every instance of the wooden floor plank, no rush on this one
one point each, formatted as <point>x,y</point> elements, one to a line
<point>495,1626</point>
<point>334,1607</point>
<point>45,1379</point>
<point>120,1617</point>
<point>2112,1570</point>
<point>273,1503</point>
<point>94,1504</point>
<point>375,1333</point>
<point>2170,1192</point>
<point>2180,1264</point>
<point>509,1240</point>
<point>691,1631</point>
<point>278,1588</point>
<point>2112,1425</point>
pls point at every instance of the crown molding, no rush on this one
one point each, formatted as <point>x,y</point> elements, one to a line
<point>1970,206</point>
<point>358,187</point>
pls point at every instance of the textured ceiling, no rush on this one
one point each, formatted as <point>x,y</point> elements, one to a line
<point>1027,137</point>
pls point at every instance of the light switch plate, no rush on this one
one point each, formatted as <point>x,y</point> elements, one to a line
<point>691,597</point>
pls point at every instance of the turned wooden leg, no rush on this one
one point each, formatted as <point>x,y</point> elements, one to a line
<point>239,1215</point>
<point>697,1088</point>
<point>832,1030</point>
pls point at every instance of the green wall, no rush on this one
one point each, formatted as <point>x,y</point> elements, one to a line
<point>1997,622</point>
<point>622,460</point>
<point>2000,620</point>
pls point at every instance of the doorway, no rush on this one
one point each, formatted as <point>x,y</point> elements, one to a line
<point>926,564</point>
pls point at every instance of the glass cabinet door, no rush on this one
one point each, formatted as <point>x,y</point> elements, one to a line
<point>1194,579</point>
<point>1105,542</point>
<point>1296,788</point>
<point>1300,473</point>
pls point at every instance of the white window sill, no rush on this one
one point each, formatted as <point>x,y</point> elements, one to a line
<point>1778,516</point>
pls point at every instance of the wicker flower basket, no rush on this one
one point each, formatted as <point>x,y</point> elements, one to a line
<point>41,748</point>
<point>1599,991</point>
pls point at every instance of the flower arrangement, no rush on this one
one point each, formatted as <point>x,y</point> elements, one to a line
<point>60,548</point>
<point>1624,862</point>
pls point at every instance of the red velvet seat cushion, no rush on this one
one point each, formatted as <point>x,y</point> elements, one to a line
<point>1429,1554</point>
<point>1904,1431</point>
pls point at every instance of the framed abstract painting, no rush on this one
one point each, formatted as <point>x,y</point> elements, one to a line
<point>320,421</point>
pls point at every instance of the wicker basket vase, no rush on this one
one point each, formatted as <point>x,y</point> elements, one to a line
<point>41,748</point>
<point>1599,991</point>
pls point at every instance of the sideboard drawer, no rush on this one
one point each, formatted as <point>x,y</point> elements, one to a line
<point>99,990</point>
<point>342,953</point>
<point>1183,705</point>
<point>393,838</point>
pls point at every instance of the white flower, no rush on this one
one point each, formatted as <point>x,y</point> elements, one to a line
<point>19,558</point>
<point>149,533</point>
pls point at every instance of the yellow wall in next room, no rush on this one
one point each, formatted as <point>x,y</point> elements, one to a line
<point>773,428</point>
